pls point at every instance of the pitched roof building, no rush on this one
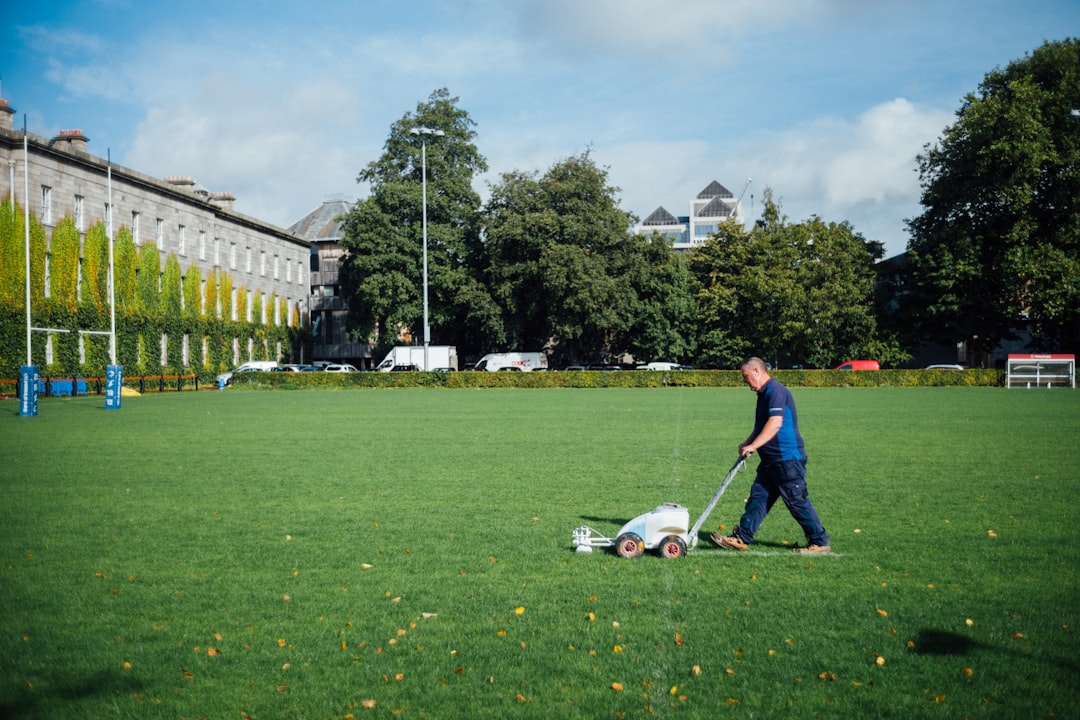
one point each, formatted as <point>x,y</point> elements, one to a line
<point>713,205</point>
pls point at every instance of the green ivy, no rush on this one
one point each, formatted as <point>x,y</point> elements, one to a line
<point>145,312</point>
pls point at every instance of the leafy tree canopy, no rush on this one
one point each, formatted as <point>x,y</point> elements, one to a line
<point>790,293</point>
<point>997,247</point>
<point>382,274</point>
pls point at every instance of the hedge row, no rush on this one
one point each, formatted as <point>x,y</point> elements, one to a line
<point>619,379</point>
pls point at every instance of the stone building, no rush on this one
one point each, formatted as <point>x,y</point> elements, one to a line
<point>201,228</point>
<point>328,307</point>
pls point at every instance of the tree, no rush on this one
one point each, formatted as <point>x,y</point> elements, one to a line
<point>789,293</point>
<point>997,247</point>
<point>559,259</point>
<point>382,272</point>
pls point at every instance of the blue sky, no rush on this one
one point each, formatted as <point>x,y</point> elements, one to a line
<point>826,102</point>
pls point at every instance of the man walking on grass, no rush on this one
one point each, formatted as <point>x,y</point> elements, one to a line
<point>782,469</point>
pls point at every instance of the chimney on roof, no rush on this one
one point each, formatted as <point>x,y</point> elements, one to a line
<point>7,116</point>
<point>224,200</point>
<point>71,141</point>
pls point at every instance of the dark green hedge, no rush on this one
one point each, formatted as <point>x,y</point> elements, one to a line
<point>609,379</point>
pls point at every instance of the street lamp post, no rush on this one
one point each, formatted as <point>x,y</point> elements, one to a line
<point>422,132</point>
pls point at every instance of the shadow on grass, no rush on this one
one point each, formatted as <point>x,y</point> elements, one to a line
<point>28,702</point>
<point>943,642</point>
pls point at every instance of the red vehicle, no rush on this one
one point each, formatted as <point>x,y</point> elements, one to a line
<point>859,365</point>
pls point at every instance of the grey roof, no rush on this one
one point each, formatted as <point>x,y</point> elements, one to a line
<point>714,189</point>
<point>322,223</point>
<point>715,208</point>
<point>660,216</point>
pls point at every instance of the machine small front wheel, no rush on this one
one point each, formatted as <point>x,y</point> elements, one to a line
<point>629,545</point>
<point>672,547</point>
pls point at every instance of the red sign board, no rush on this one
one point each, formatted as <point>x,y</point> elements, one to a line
<point>1041,356</point>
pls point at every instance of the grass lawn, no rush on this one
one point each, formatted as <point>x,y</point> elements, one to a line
<point>406,553</point>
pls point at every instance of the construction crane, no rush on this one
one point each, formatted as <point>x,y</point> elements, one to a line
<point>738,201</point>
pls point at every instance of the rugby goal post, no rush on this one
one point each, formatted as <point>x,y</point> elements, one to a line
<point>1040,370</point>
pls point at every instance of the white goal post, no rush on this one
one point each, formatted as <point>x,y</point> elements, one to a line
<point>1040,370</point>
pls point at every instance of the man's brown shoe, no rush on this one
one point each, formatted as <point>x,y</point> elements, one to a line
<point>811,549</point>
<point>728,541</point>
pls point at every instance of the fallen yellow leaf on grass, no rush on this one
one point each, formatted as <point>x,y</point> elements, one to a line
<point>882,613</point>
<point>967,672</point>
<point>519,611</point>
<point>617,686</point>
<point>367,704</point>
<point>212,651</point>
<point>618,648</point>
<point>880,660</point>
<point>127,665</point>
<point>281,642</point>
<point>696,670</point>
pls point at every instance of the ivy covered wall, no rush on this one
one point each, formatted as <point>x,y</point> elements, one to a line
<point>170,320</point>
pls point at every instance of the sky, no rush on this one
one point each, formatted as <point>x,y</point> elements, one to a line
<point>827,103</point>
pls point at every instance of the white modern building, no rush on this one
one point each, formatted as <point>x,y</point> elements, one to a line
<point>712,206</point>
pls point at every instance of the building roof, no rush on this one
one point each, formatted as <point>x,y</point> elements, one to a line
<point>713,190</point>
<point>715,208</point>
<point>323,224</point>
<point>660,216</point>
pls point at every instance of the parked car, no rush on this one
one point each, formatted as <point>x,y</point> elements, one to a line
<point>251,366</point>
<point>859,365</point>
<point>342,368</point>
<point>294,368</point>
<point>945,367</point>
<point>405,368</point>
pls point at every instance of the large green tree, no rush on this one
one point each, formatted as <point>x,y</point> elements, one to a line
<point>997,247</point>
<point>382,272</point>
<point>561,262</point>
<point>789,293</point>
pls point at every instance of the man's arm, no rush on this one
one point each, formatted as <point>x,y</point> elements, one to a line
<point>772,426</point>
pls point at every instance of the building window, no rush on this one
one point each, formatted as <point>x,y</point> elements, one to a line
<point>108,216</point>
<point>232,256</point>
<point>277,268</point>
<point>202,245</point>
<point>247,260</point>
<point>181,240</point>
<point>46,205</point>
<point>135,227</point>
<point>80,218</point>
<point>262,263</point>
<point>288,271</point>
<point>160,234</point>
<point>300,273</point>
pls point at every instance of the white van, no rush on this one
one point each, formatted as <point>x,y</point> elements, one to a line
<point>515,361</point>
<point>251,366</point>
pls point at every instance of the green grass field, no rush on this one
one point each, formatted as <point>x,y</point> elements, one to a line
<point>406,553</point>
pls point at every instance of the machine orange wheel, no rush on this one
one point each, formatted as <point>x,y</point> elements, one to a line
<point>629,546</point>
<point>672,547</point>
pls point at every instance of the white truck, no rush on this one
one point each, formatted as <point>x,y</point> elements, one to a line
<point>440,357</point>
<point>514,361</point>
